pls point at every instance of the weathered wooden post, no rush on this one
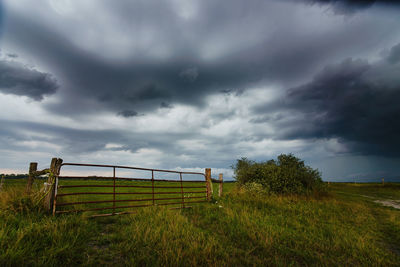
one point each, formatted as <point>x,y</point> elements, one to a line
<point>221,180</point>
<point>31,177</point>
<point>50,187</point>
<point>383,181</point>
<point>2,182</point>
<point>208,183</point>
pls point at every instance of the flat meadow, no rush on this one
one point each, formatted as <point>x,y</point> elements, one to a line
<point>345,226</point>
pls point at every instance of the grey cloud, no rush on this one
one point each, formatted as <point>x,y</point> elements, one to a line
<point>20,80</point>
<point>127,113</point>
<point>267,118</point>
<point>165,105</point>
<point>189,74</point>
<point>73,142</point>
<point>95,82</point>
<point>12,55</point>
<point>394,55</point>
<point>81,140</point>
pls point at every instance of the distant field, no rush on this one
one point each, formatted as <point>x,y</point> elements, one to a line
<point>347,227</point>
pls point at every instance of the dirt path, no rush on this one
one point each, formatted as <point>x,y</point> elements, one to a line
<point>389,203</point>
<point>385,202</point>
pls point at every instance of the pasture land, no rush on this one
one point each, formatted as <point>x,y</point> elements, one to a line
<point>346,227</point>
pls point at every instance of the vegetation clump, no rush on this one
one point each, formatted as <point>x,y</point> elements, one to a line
<point>287,174</point>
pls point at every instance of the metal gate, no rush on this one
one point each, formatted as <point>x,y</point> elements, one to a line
<point>122,194</point>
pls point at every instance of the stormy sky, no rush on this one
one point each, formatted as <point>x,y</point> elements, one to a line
<point>190,84</point>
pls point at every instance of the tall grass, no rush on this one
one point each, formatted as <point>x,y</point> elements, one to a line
<point>237,229</point>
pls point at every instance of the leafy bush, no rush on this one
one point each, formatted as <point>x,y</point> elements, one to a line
<point>254,188</point>
<point>287,174</point>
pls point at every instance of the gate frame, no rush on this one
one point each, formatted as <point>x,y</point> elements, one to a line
<point>206,175</point>
<point>51,187</point>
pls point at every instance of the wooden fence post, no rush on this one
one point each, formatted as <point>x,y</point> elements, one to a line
<point>208,183</point>
<point>383,181</point>
<point>221,180</point>
<point>31,177</point>
<point>2,182</point>
<point>50,189</point>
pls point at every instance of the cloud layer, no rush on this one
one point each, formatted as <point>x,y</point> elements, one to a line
<point>200,83</point>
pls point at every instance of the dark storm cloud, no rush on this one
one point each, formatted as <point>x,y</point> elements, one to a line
<point>20,80</point>
<point>350,6</point>
<point>354,101</point>
<point>91,82</point>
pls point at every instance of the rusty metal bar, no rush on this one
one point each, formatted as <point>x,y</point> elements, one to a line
<point>183,200</point>
<point>125,207</point>
<point>127,167</point>
<point>114,191</point>
<point>152,184</point>
<point>122,200</point>
<point>136,186</point>
<point>126,193</point>
<point>128,179</point>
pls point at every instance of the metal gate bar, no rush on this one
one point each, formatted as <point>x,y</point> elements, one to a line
<point>130,206</point>
<point>133,179</point>
<point>121,200</point>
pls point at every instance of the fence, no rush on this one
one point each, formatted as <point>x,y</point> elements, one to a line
<point>67,194</point>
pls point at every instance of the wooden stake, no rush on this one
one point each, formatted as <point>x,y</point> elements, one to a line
<point>383,181</point>
<point>31,177</point>
<point>55,167</point>
<point>221,180</point>
<point>208,183</point>
<point>2,182</point>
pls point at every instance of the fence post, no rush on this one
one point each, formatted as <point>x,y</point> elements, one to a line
<point>208,183</point>
<point>50,188</point>
<point>31,177</point>
<point>113,191</point>
<point>221,180</point>
<point>2,182</point>
<point>383,181</point>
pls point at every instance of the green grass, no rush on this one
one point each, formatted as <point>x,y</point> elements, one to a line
<point>344,228</point>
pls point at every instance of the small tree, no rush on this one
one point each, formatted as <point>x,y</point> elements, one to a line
<point>287,174</point>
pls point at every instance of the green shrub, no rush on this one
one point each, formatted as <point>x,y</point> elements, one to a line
<point>287,174</point>
<point>254,188</point>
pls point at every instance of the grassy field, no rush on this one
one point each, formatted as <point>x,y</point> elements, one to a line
<point>346,227</point>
